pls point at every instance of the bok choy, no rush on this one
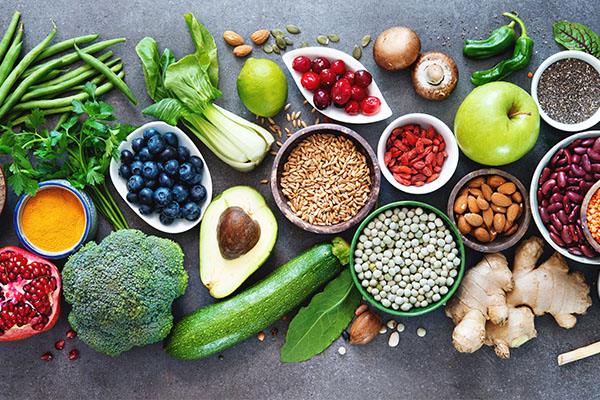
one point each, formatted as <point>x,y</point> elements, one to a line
<point>185,90</point>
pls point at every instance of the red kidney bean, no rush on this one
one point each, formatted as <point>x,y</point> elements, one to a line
<point>575,250</point>
<point>545,174</point>
<point>597,176</point>
<point>545,203</point>
<point>540,195</point>
<point>562,217</point>
<point>574,214</point>
<point>566,236</point>
<point>554,159</point>
<point>575,198</point>
<point>580,150</point>
<point>585,163</point>
<point>577,170</point>
<point>554,175</point>
<point>548,185</point>
<point>544,214</point>
<point>555,222</point>
<point>573,181</point>
<point>576,159</point>
<point>594,155</point>
<point>579,230</point>
<point>562,162</point>
<point>587,251</point>
<point>573,233</point>
<point>595,167</point>
<point>554,230</point>
<point>596,146</point>
<point>557,239</point>
<point>554,207</point>
<point>575,143</point>
<point>584,186</point>
<point>561,179</point>
<point>556,197</point>
<point>588,142</point>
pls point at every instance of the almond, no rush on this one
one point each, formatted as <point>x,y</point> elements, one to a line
<point>460,205</point>
<point>475,192</point>
<point>507,188</point>
<point>512,212</point>
<point>499,222</point>
<point>475,183</point>
<point>495,180</point>
<point>487,191</point>
<point>499,209</point>
<point>463,225</point>
<point>242,51</point>
<point>512,230</point>
<point>482,203</point>
<point>482,235</point>
<point>233,39</point>
<point>507,225</point>
<point>472,203</point>
<point>488,217</point>
<point>474,219</point>
<point>501,200</point>
<point>259,37</point>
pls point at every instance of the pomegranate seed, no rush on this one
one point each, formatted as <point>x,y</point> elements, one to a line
<point>71,334</point>
<point>47,356</point>
<point>274,331</point>
<point>319,64</point>
<point>301,64</point>
<point>370,105</point>
<point>338,66</point>
<point>73,354</point>
<point>59,345</point>
<point>310,81</point>
<point>362,78</point>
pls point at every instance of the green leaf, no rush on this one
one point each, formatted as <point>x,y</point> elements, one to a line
<point>35,119</point>
<point>317,325</point>
<point>204,41</point>
<point>576,36</point>
<point>168,110</point>
<point>147,51</point>
<point>90,88</point>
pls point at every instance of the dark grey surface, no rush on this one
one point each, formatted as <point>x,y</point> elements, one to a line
<point>419,367</point>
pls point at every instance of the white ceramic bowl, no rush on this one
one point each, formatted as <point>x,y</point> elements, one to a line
<point>352,64</point>
<point>180,224</point>
<point>425,120</point>
<point>580,55</point>
<point>534,202</point>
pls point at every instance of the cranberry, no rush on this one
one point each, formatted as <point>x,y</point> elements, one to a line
<point>310,81</point>
<point>338,66</point>
<point>319,64</point>
<point>359,93</point>
<point>327,78</point>
<point>362,78</point>
<point>321,99</point>
<point>352,107</point>
<point>301,64</point>
<point>370,105</point>
<point>341,91</point>
<point>349,76</point>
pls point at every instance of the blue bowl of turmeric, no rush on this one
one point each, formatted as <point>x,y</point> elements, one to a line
<point>56,221</point>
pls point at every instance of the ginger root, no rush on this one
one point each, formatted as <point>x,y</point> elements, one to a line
<point>518,329</point>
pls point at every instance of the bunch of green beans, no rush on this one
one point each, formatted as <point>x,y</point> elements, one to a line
<point>40,80</point>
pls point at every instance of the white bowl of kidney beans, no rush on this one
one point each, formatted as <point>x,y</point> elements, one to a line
<point>560,182</point>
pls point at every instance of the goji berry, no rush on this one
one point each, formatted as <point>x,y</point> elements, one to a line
<point>426,141</point>
<point>433,178</point>
<point>404,169</point>
<point>442,145</point>
<point>387,157</point>
<point>430,159</point>
<point>431,132</point>
<point>427,171</point>
<point>419,165</point>
<point>419,146</point>
<point>437,169</point>
<point>412,139</point>
<point>439,159</point>
<point>419,183</point>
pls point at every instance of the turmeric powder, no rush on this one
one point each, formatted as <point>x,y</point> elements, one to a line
<point>53,220</point>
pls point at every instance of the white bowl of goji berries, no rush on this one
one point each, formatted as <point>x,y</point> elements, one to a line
<point>417,153</point>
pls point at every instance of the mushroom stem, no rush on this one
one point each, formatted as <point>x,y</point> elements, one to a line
<point>435,74</point>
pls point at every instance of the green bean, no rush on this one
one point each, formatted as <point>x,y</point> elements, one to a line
<point>21,66</point>
<point>64,101</point>
<point>72,57</point>
<point>79,70</point>
<point>64,45</point>
<point>67,110</point>
<point>102,68</point>
<point>11,55</point>
<point>63,118</point>
<point>66,85</point>
<point>9,33</point>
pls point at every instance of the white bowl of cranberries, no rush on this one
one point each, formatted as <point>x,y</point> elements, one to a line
<point>337,85</point>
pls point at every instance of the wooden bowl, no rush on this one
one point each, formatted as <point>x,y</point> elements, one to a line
<point>504,242</point>
<point>584,208</point>
<point>282,156</point>
<point>2,190</point>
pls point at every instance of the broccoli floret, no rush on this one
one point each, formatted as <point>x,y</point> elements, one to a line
<point>121,290</point>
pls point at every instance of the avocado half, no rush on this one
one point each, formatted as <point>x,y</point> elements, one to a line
<point>223,276</point>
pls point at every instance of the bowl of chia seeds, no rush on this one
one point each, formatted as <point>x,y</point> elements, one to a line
<point>566,88</point>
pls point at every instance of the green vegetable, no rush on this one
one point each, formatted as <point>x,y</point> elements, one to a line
<point>11,55</point>
<point>499,41</point>
<point>9,32</point>
<point>186,89</point>
<point>121,290</point>
<point>316,326</point>
<point>218,326</point>
<point>65,45</point>
<point>70,74</point>
<point>576,36</point>
<point>520,59</point>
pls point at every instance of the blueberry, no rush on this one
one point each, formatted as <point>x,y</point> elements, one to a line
<point>150,170</point>
<point>172,209</point>
<point>145,195</point>
<point>125,171</point>
<point>166,220</point>
<point>197,193</point>
<point>195,180</point>
<point>180,193</point>
<point>169,153</point>
<point>171,139</point>
<point>132,197</point>
<point>135,183</point>
<point>148,133</point>
<point>186,172</point>
<point>138,144</point>
<point>145,154</point>
<point>136,158</point>
<point>197,163</point>
<point>183,153</point>
<point>146,209</point>
<point>137,167</point>
<point>165,180</point>
<point>191,211</point>
<point>172,167</point>
<point>126,157</point>
<point>150,183</point>
<point>163,196</point>
<point>156,144</point>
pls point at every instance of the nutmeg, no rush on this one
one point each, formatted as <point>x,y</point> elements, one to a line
<point>365,327</point>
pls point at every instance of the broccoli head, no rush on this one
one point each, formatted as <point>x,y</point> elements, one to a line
<point>121,290</point>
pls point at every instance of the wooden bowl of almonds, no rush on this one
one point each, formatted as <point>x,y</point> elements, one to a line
<point>325,178</point>
<point>491,209</point>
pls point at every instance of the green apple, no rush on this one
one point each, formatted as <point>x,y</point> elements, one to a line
<point>497,123</point>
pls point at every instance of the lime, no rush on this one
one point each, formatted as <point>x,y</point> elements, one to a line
<point>262,87</point>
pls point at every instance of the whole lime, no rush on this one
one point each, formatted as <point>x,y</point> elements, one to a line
<point>262,87</point>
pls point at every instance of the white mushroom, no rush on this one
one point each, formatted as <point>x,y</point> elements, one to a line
<point>434,75</point>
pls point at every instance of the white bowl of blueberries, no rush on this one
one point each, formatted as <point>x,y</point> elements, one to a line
<point>163,177</point>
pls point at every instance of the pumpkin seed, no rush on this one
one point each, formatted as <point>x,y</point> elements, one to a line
<point>357,52</point>
<point>276,49</point>
<point>267,48</point>
<point>333,38</point>
<point>304,44</point>
<point>280,43</point>
<point>292,29</point>
<point>365,41</point>
<point>288,41</point>
<point>277,33</point>
<point>323,40</point>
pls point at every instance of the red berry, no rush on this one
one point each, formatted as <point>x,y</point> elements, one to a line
<point>359,93</point>
<point>352,107</point>
<point>370,105</point>
<point>349,76</point>
<point>301,64</point>
<point>310,81</point>
<point>319,64</point>
<point>327,78</point>
<point>321,99</point>
<point>362,78</point>
<point>341,91</point>
<point>338,66</point>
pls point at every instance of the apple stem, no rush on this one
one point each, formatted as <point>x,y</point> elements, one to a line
<point>519,113</point>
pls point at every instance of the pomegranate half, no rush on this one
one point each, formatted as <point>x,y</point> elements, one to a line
<point>29,294</point>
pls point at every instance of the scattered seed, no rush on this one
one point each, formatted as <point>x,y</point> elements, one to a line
<point>287,107</point>
<point>317,121</point>
<point>264,181</point>
<point>391,324</point>
<point>346,335</point>
<point>262,121</point>
<point>260,336</point>
<point>272,128</point>
<point>59,345</point>
<point>73,354</point>
<point>421,332</point>
<point>293,29</point>
<point>273,153</point>
<point>288,41</point>
<point>294,123</point>
<point>271,120</point>
<point>280,43</point>
<point>303,124</point>
<point>279,143</point>
<point>47,356</point>
<point>400,327</point>
<point>342,350</point>
<point>305,102</point>
<point>357,52</point>
<point>256,116</point>
<point>394,339</point>
<point>333,37</point>
<point>279,132</point>
<point>298,114</point>
<point>267,48</point>
<point>287,131</point>
<point>277,33</point>
<point>288,117</point>
<point>365,40</point>
<point>324,40</point>
<point>71,334</point>
<point>274,331</point>
<point>304,44</point>
<point>276,49</point>
<point>383,329</point>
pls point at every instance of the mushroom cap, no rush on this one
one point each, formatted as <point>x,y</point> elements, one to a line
<point>396,48</point>
<point>422,75</point>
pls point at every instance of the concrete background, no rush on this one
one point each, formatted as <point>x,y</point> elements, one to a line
<point>419,367</point>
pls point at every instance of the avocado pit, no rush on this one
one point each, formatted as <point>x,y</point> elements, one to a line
<point>237,233</point>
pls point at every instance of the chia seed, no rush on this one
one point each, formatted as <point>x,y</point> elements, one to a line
<point>569,91</point>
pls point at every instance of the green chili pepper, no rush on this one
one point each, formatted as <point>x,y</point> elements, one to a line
<point>500,39</point>
<point>520,59</point>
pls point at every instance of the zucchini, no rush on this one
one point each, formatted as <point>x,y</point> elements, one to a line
<point>215,327</point>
